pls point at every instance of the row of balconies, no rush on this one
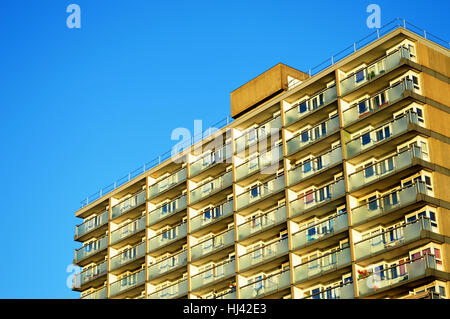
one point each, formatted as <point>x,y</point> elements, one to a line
<point>368,283</point>
<point>356,180</point>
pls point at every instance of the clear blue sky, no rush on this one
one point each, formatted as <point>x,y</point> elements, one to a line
<point>80,108</point>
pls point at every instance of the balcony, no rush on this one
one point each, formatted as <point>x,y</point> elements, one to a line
<point>314,166</point>
<point>256,194</point>
<point>380,134</point>
<point>212,245</point>
<point>98,294</point>
<point>262,223</point>
<point>128,230</point>
<point>211,187</point>
<point>397,275</point>
<point>91,224</point>
<point>269,285</point>
<point>167,209</point>
<point>126,284</point>
<point>91,249</point>
<point>167,183</point>
<point>303,109</point>
<point>263,131</point>
<point>323,265</point>
<point>305,138</point>
<point>376,102</point>
<point>316,199</point>
<point>167,265</point>
<point>264,254</point>
<point>212,215</point>
<point>374,70</point>
<point>392,238</point>
<point>343,291</point>
<point>127,257</point>
<point>128,204</point>
<point>386,167</point>
<point>175,290</point>
<point>213,276</point>
<point>167,237</point>
<point>388,204</point>
<point>89,275</point>
<point>206,162</point>
<point>264,161</point>
<point>316,232</point>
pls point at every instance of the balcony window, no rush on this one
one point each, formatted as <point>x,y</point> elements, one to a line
<point>365,139</point>
<point>305,136</point>
<point>302,108</point>
<point>363,107</point>
<point>383,133</point>
<point>359,76</point>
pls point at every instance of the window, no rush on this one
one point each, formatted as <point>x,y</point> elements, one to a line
<point>383,133</point>
<point>305,136</point>
<point>302,108</point>
<point>363,107</point>
<point>359,76</point>
<point>380,99</point>
<point>368,170</point>
<point>365,138</point>
<point>373,202</point>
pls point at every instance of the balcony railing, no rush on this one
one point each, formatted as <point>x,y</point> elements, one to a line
<point>264,160</point>
<point>128,204</point>
<point>262,222</point>
<point>89,275</point>
<point>211,187</point>
<point>376,102</point>
<point>304,108</point>
<point>374,70</point>
<point>212,244</point>
<point>343,291</point>
<point>403,272</point>
<point>257,134</point>
<point>167,183</point>
<point>388,203</point>
<point>271,284</point>
<point>91,249</point>
<point>164,266</point>
<point>91,224</point>
<point>211,215</point>
<point>98,294</point>
<point>169,236</point>
<point>392,237</point>
<point>167,209</point>
<point>386,166</point>
<point>215,274</point>
<point>263,254</point>
<point>323,264</point>
<point>227,295</point>
<point>315,165</point>
<point>315,198</point>
<point>317,231</point>
<point>127,283</point>
<point>127,256</point>
<point>259,192</point>
<point>170,292</point>
<point>209,160</point>
<point>311,135</point>
<point>381,133</point>
<point>128,230</point>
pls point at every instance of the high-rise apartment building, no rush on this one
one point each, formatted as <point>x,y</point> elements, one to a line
<point>335,185</point>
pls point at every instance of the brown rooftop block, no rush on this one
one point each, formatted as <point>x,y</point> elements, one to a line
<point>262,88</point>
